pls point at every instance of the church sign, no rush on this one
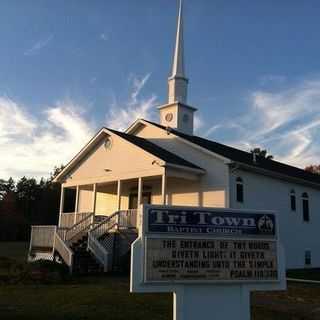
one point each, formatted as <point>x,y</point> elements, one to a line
<point>205,256</point>
<point>203,245</point>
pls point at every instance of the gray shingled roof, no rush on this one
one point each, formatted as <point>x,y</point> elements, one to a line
<point>246,157</point>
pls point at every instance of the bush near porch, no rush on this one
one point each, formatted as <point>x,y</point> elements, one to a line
<point>107,296</point>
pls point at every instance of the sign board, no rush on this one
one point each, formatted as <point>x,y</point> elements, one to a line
<point>203,245</point>
<point>184,260</point>
<point>207,254</point>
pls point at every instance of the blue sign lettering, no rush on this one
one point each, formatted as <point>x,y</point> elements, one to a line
<point>210,222</point>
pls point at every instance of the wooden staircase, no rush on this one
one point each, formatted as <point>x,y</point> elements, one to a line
<point>83,260</point>
<point>91,246</point>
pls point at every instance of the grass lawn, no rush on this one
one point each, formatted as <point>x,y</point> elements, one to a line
<point>108,297</point>
<point>82,298</point>
<point>14,250</point>
<point>306,274</point>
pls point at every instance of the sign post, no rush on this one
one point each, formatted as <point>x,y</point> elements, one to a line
<point>209,258</point>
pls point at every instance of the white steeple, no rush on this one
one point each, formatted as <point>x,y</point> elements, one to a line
<point>178,83</point>
<point>178,59</point>
<point>176,113</point>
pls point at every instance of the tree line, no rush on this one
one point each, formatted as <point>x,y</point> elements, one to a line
<point>27,202</point>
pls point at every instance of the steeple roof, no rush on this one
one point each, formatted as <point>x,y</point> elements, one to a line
<point>178,59</point>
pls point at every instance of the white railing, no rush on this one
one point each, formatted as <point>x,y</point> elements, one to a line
<point>99,251</point>
<point>128,219</point>
<point>53,238</point>
<point>62,232</point>
<point>79,227</point>
<point>66,220</point>
<point>82,215</point>
<point>64,251</point>
<point>42,237</point>
<point>103,252</point>
<point>105,225</point>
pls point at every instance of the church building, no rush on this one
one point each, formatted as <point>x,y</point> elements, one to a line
<point>165,163</point>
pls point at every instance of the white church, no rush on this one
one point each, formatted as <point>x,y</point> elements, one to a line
<point>165,163</point>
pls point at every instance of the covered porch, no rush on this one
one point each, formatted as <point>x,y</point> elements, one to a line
<point>103,198</point>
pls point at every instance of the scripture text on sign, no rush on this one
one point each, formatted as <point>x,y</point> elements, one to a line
<point>177,259</point>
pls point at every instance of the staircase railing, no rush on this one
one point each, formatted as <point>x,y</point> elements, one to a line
<point>64,236</point>
<point>81,226</point>
<point>64,251</point>
<point>120,219</point>
<point>128,219</point>
<point>102,252</point>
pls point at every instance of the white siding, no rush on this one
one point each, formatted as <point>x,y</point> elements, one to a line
<point>212,190</point>
<point>261,192</point>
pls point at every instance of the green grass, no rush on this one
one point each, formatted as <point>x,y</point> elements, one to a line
<point>86,298</point>
<point>14,250</point>
<point>108,297</point>
<point>306,274</point>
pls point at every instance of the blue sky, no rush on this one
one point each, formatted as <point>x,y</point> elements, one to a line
<point>69,67</point>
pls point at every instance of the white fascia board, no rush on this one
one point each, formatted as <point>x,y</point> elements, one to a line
<point>87,148</point>
<point>184,168</point>
<point>79,155</point>
<point>133,126</point>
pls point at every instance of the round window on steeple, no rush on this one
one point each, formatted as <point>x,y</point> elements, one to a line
<point>169,117</point>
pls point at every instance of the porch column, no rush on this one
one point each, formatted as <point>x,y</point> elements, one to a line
<point>76,205</point>
<point>119,195</point>
<point>94,197</point>
<point>140,186</point>
<point>61,204</point>
<point>164,188</point>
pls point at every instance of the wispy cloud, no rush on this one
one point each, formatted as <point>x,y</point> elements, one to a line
<point>285,121</point>
<point>33,146</point>
<point>37,46</point>
<point>121,115</point>
<point>268,79</point>
<point>104,36</point>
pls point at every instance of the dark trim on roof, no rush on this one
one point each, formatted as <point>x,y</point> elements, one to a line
<point>246,158</point>
<point>155,150</point>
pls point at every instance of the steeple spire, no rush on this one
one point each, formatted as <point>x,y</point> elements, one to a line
<point>177,113</point>
<point>178,60</point>
<point>178,82</point>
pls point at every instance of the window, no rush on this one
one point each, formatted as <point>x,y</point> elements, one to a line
<point>293,200</point>
<point>239,184</point>
<point>305,207</point>
<point>69,203</point>
<point>307,257</point>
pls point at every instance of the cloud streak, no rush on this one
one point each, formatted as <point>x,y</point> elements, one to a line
<point>121,115</point>
<point>38,46</point>
<point>33,146</point>
<point>285,121</point>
